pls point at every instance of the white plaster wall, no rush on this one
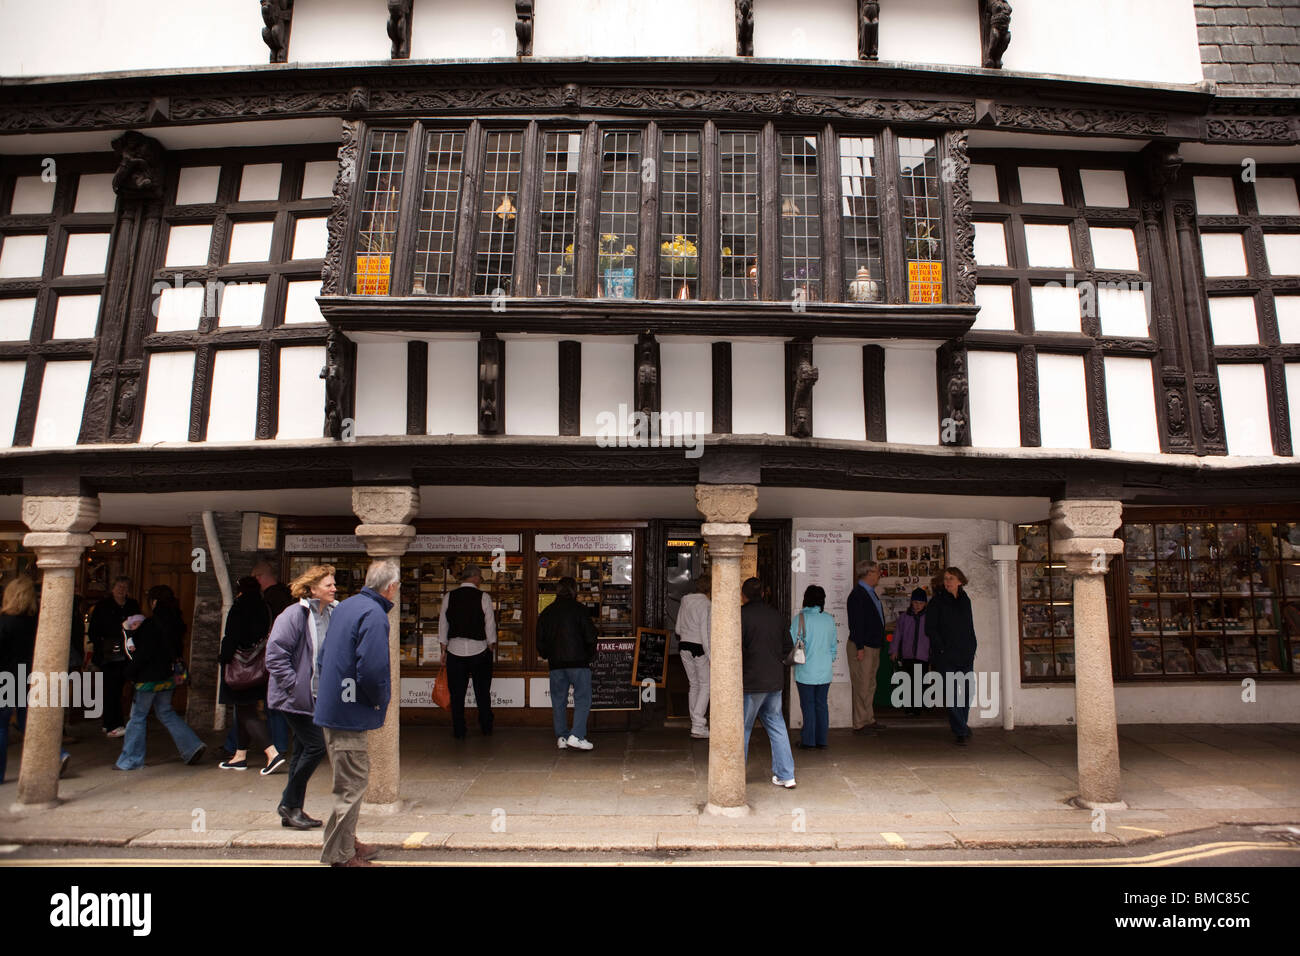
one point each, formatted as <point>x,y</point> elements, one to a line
<point>1293,403</point>
<point>1208,702</point>
<point>232,412</point>
<point>632,28</point>
<point>1153,41</point>
<point>758,388</point>
<point>607,374</point>
<point>340,31</point>
<point>809,30</point>
<point>447,29</point>
<point>302,392</point>
<point>911,396</point>
<point>1245,409</point>
<point>1062,402</point>
<point>92,36</point>
<point>968,549</point>
<point>11,393</point>
<point>452,407</point>
<point>994,399</point>
<point>16,319</point>
<point>930,31</point>
<point>686,381</point>
<point>1131,405</point>
<point>532,387</point>
<point>839,409</point>
<point>381,388</point>
<point>167,395</point>
<point>63,398</point>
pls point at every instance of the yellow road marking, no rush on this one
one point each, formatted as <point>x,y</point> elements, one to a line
<point>414,840</point>
<point>893,839</point>
<point>1142,830</point>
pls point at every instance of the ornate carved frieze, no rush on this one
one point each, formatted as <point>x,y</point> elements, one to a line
<point>399,28</point>
<point>1030,429</point>
<point>963,233</point>
<point>1174,386</point>
<point>333,281</point>
<point>1210,414</point>
<point>1064,119</point>
<point>278,17</point>
<point>744,27</point>
<point>868,29</point>
<point>1235,129</point>
<point>995,31</point>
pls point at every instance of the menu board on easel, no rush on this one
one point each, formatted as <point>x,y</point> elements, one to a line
<point>651,656</point>
<point>612,686</point>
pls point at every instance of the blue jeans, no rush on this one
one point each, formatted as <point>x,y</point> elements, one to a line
<point>5,713</point>
<point>767,707</point>
<point>561,678</point>
<point>816,715</point>
<point>160,702</point>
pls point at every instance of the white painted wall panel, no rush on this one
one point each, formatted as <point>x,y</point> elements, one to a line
<point>63,398</point>
<point>997,307</point>
<point>1062,402</point>
<point>1131,405</point>
<point>302,392</point>
<point>1232,320</point>
<point>1288,317</point>
<point>260,182</point>
<point>606,384</point>
<point>1104,187</point>
<point>250,242</point>
<point>11,393</point>
<point>22,256</point>
<point>686,383</point>
<point>758,388</point>
<point>167,396</point>
<point>188,245</point>
<point>197,184</point>
<point>532,387</point>
<point>1056,308</point>
<point>381,388</point>
<point>309,238</point>
<point>95,193</point>
<point>816,29</point>
<point>16,319</point>
<point>990,244</point>
<point>333,31</point>
<point>1223,253</point>
<point>984,183</point>
<point>994,399</point>
<point>839,409</point>
<point>1040,184</point>
<point>94,37</point>
<point>318,178</point>
<point>300,304</point>
<point>911,396</point>
<point>76,316</point>
<point>1215,195</point>
<point>1276,196</point>
<point>232,413</point>
<point>1293,403</point>
<point>241,304</point>
<point>1123,311</point>
<point>452,407</point>
<point>1244,395</point>
<point>1153,41</point>
<point>86,253</point>
<point>1048,246</point>
<point>930,31</point>
<point>1283,253</point>
<point>447,29</point>
<point>179,310</point>
<point>33,196</point>
<point>1113,248</point>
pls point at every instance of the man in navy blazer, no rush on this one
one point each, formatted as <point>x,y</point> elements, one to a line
<point>354,691</point>
<point>866,638</point>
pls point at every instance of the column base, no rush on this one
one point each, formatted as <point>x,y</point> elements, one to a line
<point>717,811</point>
<point>1098,804</point>
<point>19,807</point>
<point>383,809</point>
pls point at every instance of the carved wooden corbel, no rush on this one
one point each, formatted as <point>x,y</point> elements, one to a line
<point>868,29</point>
<point>995,31</point>
<point>744,27</point>
<point>491,385</point>
<point>399,28</point>
<point>647,374</point>
<point>954,394</point>
<point>801,376</point>
<point>523,27</point>
<point>278,17</point>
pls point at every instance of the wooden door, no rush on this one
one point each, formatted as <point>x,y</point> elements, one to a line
<point>166,559</point>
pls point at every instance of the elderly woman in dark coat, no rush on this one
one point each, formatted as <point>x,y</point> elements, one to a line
<point>247,624</point>
<point>951,626</point>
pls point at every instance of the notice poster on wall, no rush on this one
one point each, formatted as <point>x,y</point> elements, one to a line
<point>826,558</point>
<point>906,562</point>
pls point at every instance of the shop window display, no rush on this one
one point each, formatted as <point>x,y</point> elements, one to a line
<point>1046,607</point>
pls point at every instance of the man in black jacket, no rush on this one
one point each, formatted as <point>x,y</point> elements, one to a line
<point>764,643</point>
<point>109,654</point>
<point>866,638</point>
<point>566,637</point>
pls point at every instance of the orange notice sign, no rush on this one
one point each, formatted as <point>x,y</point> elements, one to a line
<point>372,274</point>
<point>925,282</point>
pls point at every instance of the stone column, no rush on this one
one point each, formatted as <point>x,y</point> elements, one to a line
<point>1084,535</point>
<point>726,510</point>
<point>58,536</point>
<point>385,512</point>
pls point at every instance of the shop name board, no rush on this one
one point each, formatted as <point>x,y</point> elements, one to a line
<point>506,692</point>
<point>607,543</point>
<point>421,543</point>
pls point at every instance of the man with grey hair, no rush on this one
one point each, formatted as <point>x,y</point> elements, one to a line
<point>467,631</point>
<point>353,698</point>
<point>866,638</point>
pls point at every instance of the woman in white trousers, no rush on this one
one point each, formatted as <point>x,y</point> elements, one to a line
<point>693,645</point>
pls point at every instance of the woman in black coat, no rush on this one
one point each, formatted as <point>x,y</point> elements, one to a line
<point>248,623</point>
<point>951,625</point>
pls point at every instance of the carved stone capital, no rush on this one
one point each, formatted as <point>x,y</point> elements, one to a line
<point>71,514</point>
<point>1085,518</point>
<point>726,504</point>
<point>386,540</point>
<point>385,504</point>
<point>57,549</point>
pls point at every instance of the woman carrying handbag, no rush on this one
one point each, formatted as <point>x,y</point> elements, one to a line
<point>243,679</point>
<point>813,630</point>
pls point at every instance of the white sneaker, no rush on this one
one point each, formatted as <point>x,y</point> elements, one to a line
<point>561,742</point>
<point>573,743</point>
<point>788,784</point>
<point>117,732</point>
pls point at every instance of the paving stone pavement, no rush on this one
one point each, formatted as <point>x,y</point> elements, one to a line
<point>908,788</point>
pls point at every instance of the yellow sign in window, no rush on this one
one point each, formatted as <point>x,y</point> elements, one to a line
<point>925,282</point>
<point>372,274</point>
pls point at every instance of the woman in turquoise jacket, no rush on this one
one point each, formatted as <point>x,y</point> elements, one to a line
<point>813,677</point>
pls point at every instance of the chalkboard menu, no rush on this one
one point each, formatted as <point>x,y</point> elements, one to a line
<point>612,687</point>
<point>651,655</point>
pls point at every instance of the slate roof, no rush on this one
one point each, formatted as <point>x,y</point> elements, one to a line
<point>1250,45</point>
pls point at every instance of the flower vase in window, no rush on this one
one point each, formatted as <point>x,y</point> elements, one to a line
<point>679,259</point>
<point>863,288</point>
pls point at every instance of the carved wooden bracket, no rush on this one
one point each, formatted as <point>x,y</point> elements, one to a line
<point>744,27</point>
<point>801,376</point>
<point>278,17</point>
<point>524,27</point>
<point>647,374</point>
<point>399,28</point>
<point>995,31</point>
<point>338,385</point>
<point>954,398</point>
<point>139,172</point>
<point>868,29</point>
<point>491,385</point>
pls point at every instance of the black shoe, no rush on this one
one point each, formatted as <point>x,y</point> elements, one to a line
<point>284,813</point>
<point>273,765</point>
<point>822,746</point>
<point>298,820</point>
<point>197,755</point>
<point>803,746</point>
<point>961,741</point>
<point>312,820</point>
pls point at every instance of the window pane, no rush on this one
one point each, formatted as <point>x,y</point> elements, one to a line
<point>679,215</point>
<point>918,168</point>
<point>738,171</point>
<point>436,235</point>
<point>498,213</point>
<point>620,202</point>
<point>860,214</point>
<point>557,219</point>
<point>801,226</point>
<point>377,231</point>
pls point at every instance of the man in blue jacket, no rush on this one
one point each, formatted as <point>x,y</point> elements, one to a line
<point>866,638</point>
<point>352,700</point>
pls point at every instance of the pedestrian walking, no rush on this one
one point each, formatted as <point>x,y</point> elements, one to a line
<point>247,627</point>
<point>816,629</point>
<point>109,654</point>
<point>566,637</point>
<point>866,638</point>
<point>951,625</point>
<point>764,644</point>
<point>150,669</point>
<point>354,690</point>
<point>910,649</point>
<point>693,622</point>
<point>277,597</point>
<point>293,673</point>
<point>467,631</point>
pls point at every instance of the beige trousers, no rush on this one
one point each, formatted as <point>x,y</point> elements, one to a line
<point>862,673</point>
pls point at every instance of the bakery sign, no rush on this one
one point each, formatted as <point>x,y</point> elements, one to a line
<point>420,544</point>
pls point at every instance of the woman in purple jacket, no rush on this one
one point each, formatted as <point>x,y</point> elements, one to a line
<point>911,645</point>
<point>292,661</point>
